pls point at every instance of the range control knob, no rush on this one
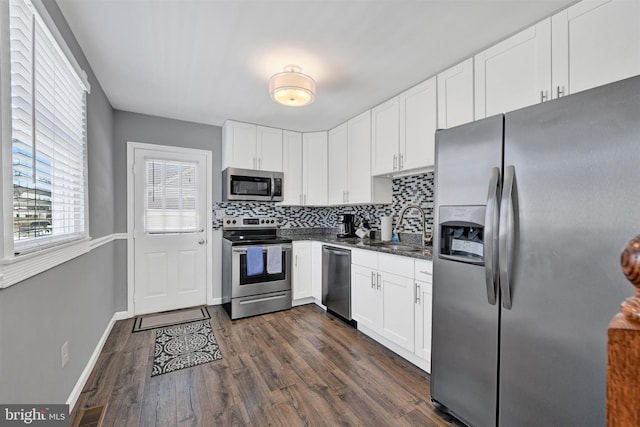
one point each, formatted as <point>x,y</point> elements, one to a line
<point>272,221</point>
<point>228,222</point>
<point>234,221</point>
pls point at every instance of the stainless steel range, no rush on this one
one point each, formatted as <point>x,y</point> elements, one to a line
<point>256,267</point>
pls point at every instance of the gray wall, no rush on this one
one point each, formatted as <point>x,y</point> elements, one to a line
<point>161,131</point>
<point>73,302</point>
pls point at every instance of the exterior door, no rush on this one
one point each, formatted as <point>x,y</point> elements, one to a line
<point>170,232</point>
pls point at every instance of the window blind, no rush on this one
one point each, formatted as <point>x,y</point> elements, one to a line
<point>48,106</point>
<point>171,197</point>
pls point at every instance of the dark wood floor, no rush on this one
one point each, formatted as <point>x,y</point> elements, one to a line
<point>296,367</point>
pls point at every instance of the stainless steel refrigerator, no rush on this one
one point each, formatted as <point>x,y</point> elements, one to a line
<point>533,209</point>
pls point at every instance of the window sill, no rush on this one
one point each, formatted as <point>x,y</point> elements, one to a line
<point>15,270</point>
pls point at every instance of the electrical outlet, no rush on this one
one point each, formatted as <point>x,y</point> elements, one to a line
<point>64,353</point>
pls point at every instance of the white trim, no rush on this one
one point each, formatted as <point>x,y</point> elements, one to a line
<point>97,242</point>
<point>6,167</point>
<point>421,363</point>
<point>91,363</point>
<point>131,147</point>
<point>15,270</point>
<point>215,301</point>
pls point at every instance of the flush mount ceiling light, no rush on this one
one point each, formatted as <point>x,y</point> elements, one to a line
<point>292,88</point>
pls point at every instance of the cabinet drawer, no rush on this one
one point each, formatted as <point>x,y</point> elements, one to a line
<point>364,258</point>
<point>423,271</point>
<point>395,264</point>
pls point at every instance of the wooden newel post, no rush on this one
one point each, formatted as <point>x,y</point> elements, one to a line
<point>623,373</point>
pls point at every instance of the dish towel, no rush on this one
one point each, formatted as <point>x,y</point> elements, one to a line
<point>274,259</point>
<point>255,261</point>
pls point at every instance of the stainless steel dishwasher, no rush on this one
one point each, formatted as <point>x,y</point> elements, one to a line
<point>336,281</point>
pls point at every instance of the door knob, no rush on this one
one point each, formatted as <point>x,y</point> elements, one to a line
<point>201,242</point>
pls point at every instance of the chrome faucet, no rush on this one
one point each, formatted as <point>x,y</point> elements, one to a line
<point>426,240</point>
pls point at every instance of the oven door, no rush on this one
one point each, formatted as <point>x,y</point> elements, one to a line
<point>244,285</point>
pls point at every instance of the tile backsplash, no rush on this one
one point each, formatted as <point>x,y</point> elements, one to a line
<point>413,189</point>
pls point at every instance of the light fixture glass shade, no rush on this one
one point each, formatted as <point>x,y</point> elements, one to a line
<point>292,87</point>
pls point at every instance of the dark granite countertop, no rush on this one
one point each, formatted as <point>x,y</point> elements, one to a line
<point>408,249</point>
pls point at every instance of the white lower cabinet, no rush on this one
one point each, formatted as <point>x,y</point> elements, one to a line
<point>423,309</point>
<point>301,276</point>
<point>316,271</point>
<point>391,301</point>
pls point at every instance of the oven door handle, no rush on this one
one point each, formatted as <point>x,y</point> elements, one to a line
<point>243,250</point>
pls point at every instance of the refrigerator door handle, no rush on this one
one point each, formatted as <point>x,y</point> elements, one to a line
<point>491,235</point>
<point>507,235</point>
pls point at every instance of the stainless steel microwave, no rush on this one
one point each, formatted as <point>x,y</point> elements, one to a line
<point>251,185</point>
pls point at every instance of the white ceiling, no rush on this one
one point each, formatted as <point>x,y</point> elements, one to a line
<point>210,60</point>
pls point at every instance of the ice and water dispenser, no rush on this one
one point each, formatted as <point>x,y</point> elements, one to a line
<point>462,233</point>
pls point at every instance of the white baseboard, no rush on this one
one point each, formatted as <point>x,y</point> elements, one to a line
<point>77,389</point>
<point>425,365</point>
<point>302,301</point>
<point>215,301</point>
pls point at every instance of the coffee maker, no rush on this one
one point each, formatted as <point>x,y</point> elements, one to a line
<point>346,225</point>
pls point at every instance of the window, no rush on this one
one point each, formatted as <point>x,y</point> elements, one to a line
<point>48,136</point>
<point>171,204</point>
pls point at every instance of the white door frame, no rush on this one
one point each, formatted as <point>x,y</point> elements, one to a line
<point>131,147</point>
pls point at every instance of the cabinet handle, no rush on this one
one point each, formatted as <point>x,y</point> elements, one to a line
<point>378,281</point>
<point>400,162</point>
<point>417,293</point>
<point>543,97</point>
<point>559,92</point>
<point>395,159</point>
<point>373,278</point>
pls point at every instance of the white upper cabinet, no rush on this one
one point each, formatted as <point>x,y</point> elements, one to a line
<point>292,167</point>
<point>314,168</point>
<point>418,123</point>
<point>455,95</point>
<point>238,145</point>
<point>385,137</point>
<point>269,149</point>
<point>359,188</point>
<point>338,165</point>
<point>595,43</point>
<point>403,130</point>
<point>515,72</point>
<point>248,146</point>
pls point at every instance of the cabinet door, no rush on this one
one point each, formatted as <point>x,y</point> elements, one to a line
<point>397,309</point>
<point>594,43</point>
<point>239,145</point>
<point>269,149</point>
<point>514,73</point>
<point>385,137</point>
<point>301,271</point>
<point>423,305</point>
<point>337,165</point>
<point>316,271</point>
<point>455,95</point>
<point>418,123</point>
<point>365,297</point>
<point>314,152</point>
<point>359,154</point>
<point>292,167</point>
